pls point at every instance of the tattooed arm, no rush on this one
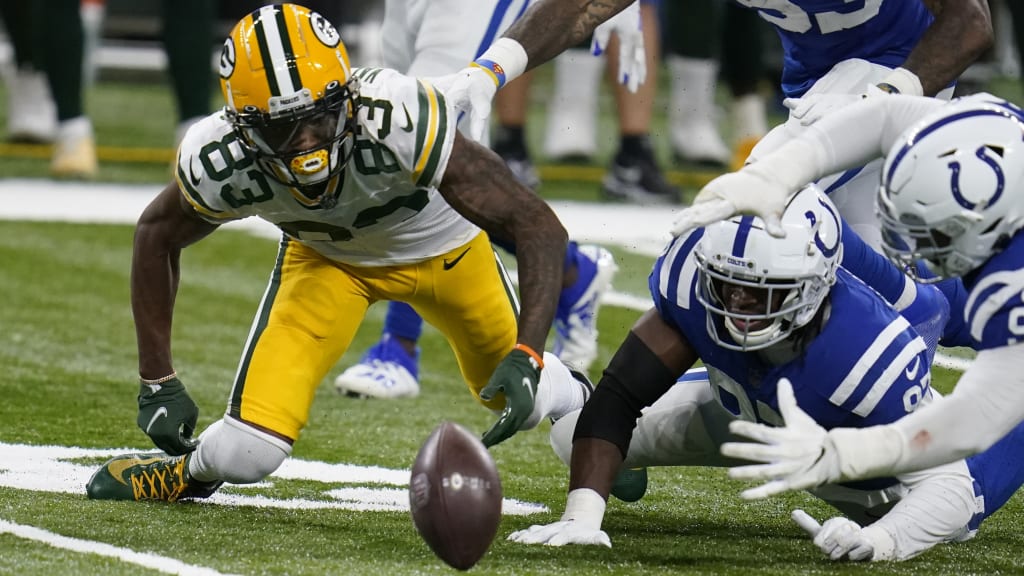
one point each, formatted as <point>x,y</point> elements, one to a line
<point>961,31</point>
<point>551,26</point>
<point>478,185</point>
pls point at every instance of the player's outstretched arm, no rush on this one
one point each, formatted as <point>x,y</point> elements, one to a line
<point>644,367</point>
<point>166,412</point>
<point>479,185</point>
<point>960,33</point>
<point>550,27</point>
<point>166,226</point>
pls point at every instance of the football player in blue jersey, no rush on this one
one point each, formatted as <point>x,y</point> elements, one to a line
<point>923,54</point>
<point>757,310</point>
<point>950,205</point>
<point>833,51</point>
<point>378,197</point>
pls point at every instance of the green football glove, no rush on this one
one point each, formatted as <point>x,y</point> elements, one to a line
<point>168,416</point>
<point>517,376</point>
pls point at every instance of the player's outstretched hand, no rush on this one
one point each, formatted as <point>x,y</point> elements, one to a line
<point>168,416</point>
<point>628,26</point>
<point>748,191</point>
<point>838,538</point>
<point>561,533</point>
<point>469,92</point>
<point>517,377</point>
<point>813,107</point>
<point>796,456</point>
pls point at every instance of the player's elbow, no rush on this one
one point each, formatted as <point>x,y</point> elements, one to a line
<point>978,34</point>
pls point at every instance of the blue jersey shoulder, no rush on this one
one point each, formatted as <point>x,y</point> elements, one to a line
<point>994,312</point>
<point>817,34</point>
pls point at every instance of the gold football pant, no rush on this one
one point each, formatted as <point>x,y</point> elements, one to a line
<point>313,307</point>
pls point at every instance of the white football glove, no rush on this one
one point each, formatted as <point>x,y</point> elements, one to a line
<point>469,91</point>
<point>580,524</point>
<point>628,26</point>
<point>813,107</point>
<point>749,191</point>
<point>797,456</point>
<point>839,538</point>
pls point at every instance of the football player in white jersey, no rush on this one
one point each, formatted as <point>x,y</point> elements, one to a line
<point>379,198</point>
<point>421,38</point>
<point>950,205</point>
<point>756,310</point>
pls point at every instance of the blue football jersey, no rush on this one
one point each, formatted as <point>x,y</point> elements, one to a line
<point>994,312</point>
<point>817,34</point>
<point>867,366</point>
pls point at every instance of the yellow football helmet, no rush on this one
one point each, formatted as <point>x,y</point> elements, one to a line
<point>290,94</point>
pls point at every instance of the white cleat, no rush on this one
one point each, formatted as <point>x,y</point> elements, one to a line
<point>31,112</point>
<point>698,141</point>
<point>74,154</point>
<point>576,331</point>
<point>377,379</point>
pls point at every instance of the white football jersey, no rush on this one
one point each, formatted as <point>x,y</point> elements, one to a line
<point>388,209</point>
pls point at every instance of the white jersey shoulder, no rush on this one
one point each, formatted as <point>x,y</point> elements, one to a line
<point>387,207</point>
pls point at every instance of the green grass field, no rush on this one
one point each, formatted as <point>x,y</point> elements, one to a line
<point>67,355</point>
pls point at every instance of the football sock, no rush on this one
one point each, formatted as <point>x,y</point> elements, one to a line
<point>62,60</point>
<point>188,33</point>
<point>402,321</point>
<point>558,393</point>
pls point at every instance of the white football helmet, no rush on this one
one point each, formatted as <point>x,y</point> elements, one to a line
<point>952,190</point>
<point>793,274</point>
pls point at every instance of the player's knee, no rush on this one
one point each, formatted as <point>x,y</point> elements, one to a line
<point>238,453</point>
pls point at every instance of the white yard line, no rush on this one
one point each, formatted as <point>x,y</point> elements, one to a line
<point>144,559</point>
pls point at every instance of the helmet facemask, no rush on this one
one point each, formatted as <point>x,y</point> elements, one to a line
<point>302,142</point>
<point>756,312</point>
<point>758,290</point>
<point>926,251</point>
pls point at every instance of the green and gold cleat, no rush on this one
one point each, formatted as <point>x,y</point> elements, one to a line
<point>152,476</point>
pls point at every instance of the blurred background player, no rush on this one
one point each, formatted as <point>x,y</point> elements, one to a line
<point>712,36</point>
<point>571,133</point>
<point>48,43</point>
<point>420,38</point>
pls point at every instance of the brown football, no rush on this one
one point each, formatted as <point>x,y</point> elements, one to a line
<point>455,495</point>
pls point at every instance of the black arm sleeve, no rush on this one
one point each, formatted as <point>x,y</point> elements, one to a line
<point>634,379</point>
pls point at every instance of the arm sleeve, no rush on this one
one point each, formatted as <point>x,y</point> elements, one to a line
<point>987,403</point>
<point>634,379</point>
<point>848,138</point>
<point>937,508</point>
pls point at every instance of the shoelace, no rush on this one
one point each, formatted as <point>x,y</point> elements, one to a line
<point>162,481</point>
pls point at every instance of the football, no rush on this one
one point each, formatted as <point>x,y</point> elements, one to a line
<point>455,495</point>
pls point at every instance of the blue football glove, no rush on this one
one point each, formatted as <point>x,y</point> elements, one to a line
<point>517,376</point>
<point>168,416</point>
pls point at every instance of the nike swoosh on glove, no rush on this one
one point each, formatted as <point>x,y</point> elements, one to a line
<point>517,377</point>
<point>168,416</point>
<point>469,92</point>
<point>796,456</point>
<point>628,26</point>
